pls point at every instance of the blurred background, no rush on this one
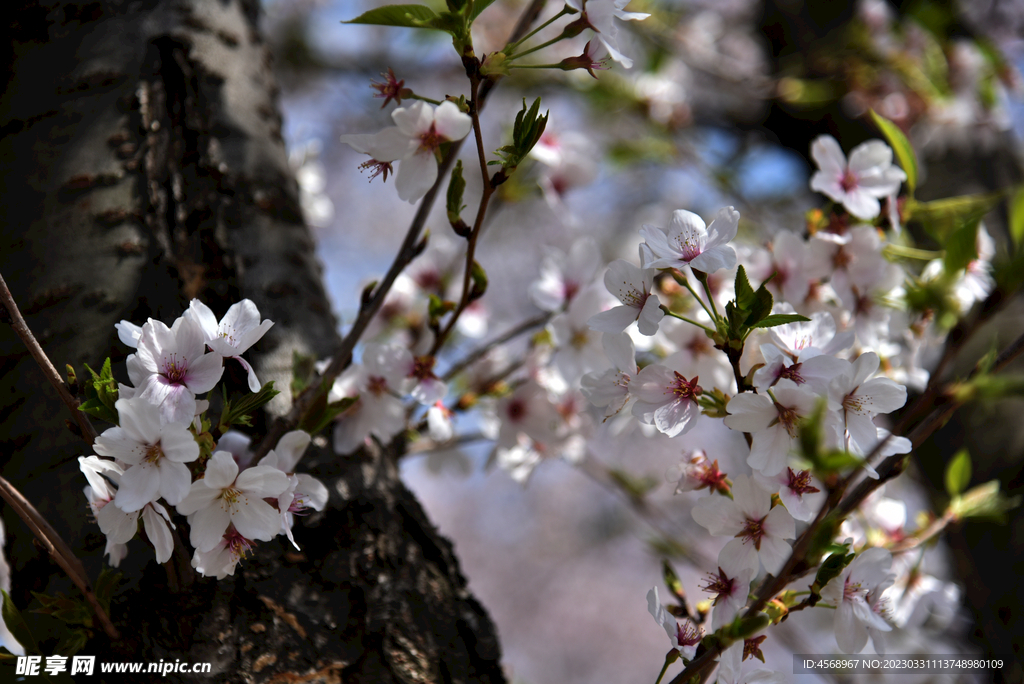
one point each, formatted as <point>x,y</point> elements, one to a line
<point>719,109</point>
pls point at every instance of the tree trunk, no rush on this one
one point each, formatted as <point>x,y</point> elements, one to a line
<point>144,166</point>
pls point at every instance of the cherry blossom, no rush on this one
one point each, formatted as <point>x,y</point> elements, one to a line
<point>600,16</point>
<point>666,399</point>
<point>610,389</point>
<point>730,587</point>
<point>413,141</point>
<point>699,473</point>
<point>800,492</point>
<point>221,560</point>
<point>577,344</point>
<point>156,453</point>
<point>303,492</point>
<point>172,367</point>
<point>7,638</point>
<point>859,184</point>
<point>759,529</point>
<point>232,335</point>
<point>632,286</point>
<point>857,595</point>
<point>684,635</point>
<point>859,399</point>
<point>379,382</point>
<point>563,276</point>
<point>773,423</point>
<point>688,242</point>
<point>225,496</point>
<point>729,669</point>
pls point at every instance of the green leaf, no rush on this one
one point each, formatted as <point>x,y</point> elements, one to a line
<point>904,152</point>
<point>1017,217</point>
<point>779,319</point>
<point>409,16</point>
<point>478,7</point>
<point>16,623</point>
<point>984,501</point>
<point>69,610</point>
<point>958,473</point>
<point>106,584</point>
<point>238,410</point>
<point>96,408</point>
<point>961,247</point>
<point>72,643</point>
<point>941,217</point>
<point>744,292</point>
<point>322,413</point>
<point>761,307</point>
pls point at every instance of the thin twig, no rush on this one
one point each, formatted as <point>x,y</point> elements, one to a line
<point>481,351</point>
<point>58,550</point>
<point>89,433</point>
<point>342,358</point>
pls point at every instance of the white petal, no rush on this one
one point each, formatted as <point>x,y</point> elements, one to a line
<point>828,155</point>
<point>416,175</point>
<point>452,123</point>
<point>158,533</point>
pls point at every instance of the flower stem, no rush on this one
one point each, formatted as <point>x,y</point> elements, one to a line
<point>511,47</point>
<point>414,96</point>
<point>690,321</point>
<point>535,48</point>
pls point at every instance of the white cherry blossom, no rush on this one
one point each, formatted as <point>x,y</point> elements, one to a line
<point>413,141</point>
<point>610,389</point>
<point>172,367</point>
<point>858,398</point>
<point>857,595</point>
<point>773,424</point>
<point>225,496</point>
<point>155,453</point>
<point>600,15</point>
<point>800,492</point>
<point>688,242</point>
<point>563,276</point>
<point>730,587</point>
<point>666,399</point>
<point>234,334</point>
<point>730,672</point>
<point>759,529</point>
<point>684,635</point>
<point>221,560</point>
<point>860,183</point>
<point>632,286</point>
<point>379,382</point>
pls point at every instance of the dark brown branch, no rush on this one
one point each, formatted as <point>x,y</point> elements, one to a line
<point>60,551</point>
<point>89,433</point>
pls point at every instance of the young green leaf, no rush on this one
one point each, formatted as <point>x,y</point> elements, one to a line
<point>409,16</point>
<point>779,319</point>
<point>958,473</point>
<point>16,623</point>
<point>904,152</point>
<point>1017,217</point>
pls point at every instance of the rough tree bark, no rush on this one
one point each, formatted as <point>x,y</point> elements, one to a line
<point>143,165</point>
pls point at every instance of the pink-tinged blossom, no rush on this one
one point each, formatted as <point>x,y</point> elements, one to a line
<point>759,529</point>
<point>858,398</point>
<point>600,15</point>
<point>155,453</point>
<point>175,368</point>
<point>225,496</point>
<point>816,370</point>
<point>527,411</point>
<point>688,242</point>
<point>666,399</point>
<point>221,560</point>
<point>303,492</point>
<point>857,595</point>
<point>610,389</point>
<point>577,345</point>
<point>773,424</point>
<point>379,382</point>
<point>419,131</point>
<point>860,183</point>
<point>632,286</point>
<point>803,339</point>
<point>120,526</point>
<point>234,334</point>
<point>729,588</point>
<point>684,635</point>
<point>563,276</point>
<point>800,492</point>
<point>730,669</point>
<point>700,473</point>
<point>440,426</point>
<point>569,162</point>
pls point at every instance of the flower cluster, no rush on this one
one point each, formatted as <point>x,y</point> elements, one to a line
<point>161,457</point>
